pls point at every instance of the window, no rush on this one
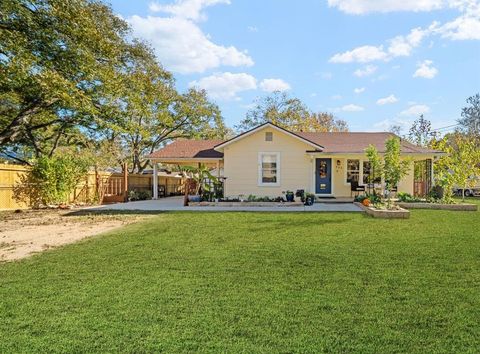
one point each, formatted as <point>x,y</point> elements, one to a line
<point>268,136</point>
<point>269,166</point>
<point>367,170</point>
<point>353,170</point>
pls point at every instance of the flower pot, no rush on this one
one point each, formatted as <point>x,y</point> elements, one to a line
<point>309,200</point>
<point>194,198</point>
<point>290,197</point>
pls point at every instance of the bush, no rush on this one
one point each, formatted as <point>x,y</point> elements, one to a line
<point>52,180</point>
<point>407,198</point>
<point>135,195</point>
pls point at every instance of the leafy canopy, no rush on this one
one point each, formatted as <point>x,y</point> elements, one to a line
<point>289,113</point>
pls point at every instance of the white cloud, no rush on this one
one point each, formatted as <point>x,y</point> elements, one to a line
<point>399,46</point>
<point>364,54</point>
<point>426,70</point>
<point>352,108</point>
<point>189,9</point>
<point>225,86</point>
<point>271,85</point>
<point>181,46</point>
<point>336,97</point>
<point>252,29</point>
<point>366,71</point>
<point>415,110</point>
<point>464,27</point>
<point>359,7</point>
<point>387,100</point>
<point>403,45</point>
<point>386,124</point>
<point>359,90</point>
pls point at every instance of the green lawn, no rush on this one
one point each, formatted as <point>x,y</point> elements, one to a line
<point>253,282</point>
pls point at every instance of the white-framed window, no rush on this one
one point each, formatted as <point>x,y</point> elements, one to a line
<point>353,170</point>
<point>359,170</point>
<point>269,169</point>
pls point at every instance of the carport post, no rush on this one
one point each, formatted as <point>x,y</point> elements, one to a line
<point>155,181</point>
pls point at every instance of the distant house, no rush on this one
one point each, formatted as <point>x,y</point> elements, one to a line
<point>269,160</point>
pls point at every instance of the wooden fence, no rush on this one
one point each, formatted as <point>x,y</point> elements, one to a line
<point>111,186</point>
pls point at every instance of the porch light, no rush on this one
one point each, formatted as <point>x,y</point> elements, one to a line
<point>338,163</point>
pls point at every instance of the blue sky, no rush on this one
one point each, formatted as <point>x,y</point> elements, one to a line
<point>373,63</point>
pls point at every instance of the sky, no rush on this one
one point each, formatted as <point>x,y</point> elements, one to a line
<point>373,63</point>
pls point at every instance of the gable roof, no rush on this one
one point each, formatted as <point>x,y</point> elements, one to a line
<point>316,145</point>
<point>325,142</point>
<point>183,149</point>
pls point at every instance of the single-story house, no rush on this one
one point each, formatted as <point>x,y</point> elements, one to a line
<point>268,160</point>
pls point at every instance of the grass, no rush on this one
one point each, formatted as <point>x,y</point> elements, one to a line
<point>253,282</point>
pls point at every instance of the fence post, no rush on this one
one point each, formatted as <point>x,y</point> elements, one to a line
<point>125,182</point>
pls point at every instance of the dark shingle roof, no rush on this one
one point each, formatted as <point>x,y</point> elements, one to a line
<point>348,142</point>
<point>189,149</point>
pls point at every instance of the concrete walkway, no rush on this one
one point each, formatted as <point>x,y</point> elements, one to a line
<point>176,204</point>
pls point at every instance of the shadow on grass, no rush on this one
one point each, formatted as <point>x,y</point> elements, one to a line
<point>107,212</point>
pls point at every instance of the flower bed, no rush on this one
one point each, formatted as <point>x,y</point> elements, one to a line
<point>439,206</point>
<point>398,213</point>
<point>247,204</point>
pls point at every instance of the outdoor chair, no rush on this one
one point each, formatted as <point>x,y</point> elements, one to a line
<point>356,189</point>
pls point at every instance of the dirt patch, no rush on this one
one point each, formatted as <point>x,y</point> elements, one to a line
<point>25,233</point>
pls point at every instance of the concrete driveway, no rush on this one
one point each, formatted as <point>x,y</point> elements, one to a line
<point>176,204</point>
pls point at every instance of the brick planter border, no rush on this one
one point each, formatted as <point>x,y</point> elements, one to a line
<point>384,214</point>
<point>247,204</point>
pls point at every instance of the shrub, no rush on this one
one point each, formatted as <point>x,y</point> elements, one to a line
<point>135,195</point>
<point>52,180</point>
<point>407,198</point>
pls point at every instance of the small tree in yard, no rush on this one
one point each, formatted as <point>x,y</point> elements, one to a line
<point>392,168</point>
<point>51,180</point>
<point>459,166</point>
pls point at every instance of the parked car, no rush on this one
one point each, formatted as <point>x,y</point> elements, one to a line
<point>469,192</point>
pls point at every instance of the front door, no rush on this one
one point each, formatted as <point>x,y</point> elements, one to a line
<point>323,176</point>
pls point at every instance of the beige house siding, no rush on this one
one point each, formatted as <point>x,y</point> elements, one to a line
<point>241,164</point>
<point>297,168</point>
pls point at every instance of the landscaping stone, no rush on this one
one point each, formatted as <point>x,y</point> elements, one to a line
<point>247,204</point>
<point>384,214</point>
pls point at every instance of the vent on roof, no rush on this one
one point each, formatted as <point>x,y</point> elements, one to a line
<point>268,136</point>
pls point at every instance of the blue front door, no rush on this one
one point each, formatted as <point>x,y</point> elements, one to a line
<point>323,176</point>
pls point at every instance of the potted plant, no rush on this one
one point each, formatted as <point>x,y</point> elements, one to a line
<point>309,199</point>
<point>290,196</point>
<point>199,174</point>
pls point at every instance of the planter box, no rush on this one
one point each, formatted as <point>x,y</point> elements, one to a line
<point>437,206</point>
<point>384,214</point>
<point>247,204</point>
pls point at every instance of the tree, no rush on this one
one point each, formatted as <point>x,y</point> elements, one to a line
<point>395,129</point>
<point>392,167</point>
<point>71,76</point>
<point>323,122</point>
<point>55,56</point>
<point>470,121</point>
<point>420,132</point>
<point>51,180</point>
<point>289,113</point>
<point>459,166</point>
<point>153,120</point>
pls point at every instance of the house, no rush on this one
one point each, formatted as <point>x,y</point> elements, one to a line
<point>269,160</point>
